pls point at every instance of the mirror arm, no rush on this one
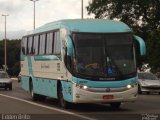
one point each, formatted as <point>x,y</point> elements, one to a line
<point>141,44</point>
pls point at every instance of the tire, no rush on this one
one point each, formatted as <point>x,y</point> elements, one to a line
<point>34,96</point>
<point>5,88</point>
<point>64,104</point>
<point>115,106</point>
<point>41,98</point>
<point>10,87</point>
<point>148,93</point>
<point>139,90</point>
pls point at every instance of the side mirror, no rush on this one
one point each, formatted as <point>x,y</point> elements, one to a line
<point>142,46</point>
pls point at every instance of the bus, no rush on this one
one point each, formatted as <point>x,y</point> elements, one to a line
<point>81,61</point>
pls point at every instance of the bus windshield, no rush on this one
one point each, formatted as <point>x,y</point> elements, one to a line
<point>104,55</point>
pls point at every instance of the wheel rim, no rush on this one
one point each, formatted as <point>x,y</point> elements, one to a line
<point>32,94</point>
<point>31,90</point>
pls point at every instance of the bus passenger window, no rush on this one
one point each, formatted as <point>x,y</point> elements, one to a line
<point>36,45</point>
<point>42,44</point>
<point>30,44</point>
<point>57,43</point>
<point>24,45</point>
<point>49,43</point>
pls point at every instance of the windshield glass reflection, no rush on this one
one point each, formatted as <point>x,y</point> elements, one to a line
<point>104,55</point>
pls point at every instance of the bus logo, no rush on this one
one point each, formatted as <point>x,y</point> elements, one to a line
<point>108,90</point>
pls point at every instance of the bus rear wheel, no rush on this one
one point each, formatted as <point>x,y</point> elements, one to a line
<point>64,104</point>
<point>34,96</point>
<point>115,105</point>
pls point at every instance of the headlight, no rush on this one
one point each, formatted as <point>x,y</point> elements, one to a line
<point>84,87</point>
<point>131,86</point>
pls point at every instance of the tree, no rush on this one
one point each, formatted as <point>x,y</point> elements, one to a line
<point>153,48</point>
<point>13,56</point>
<point>134,12</point>
<point>1,54</point>
<point>141,15</point>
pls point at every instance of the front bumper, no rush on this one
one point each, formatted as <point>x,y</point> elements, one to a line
<point>5,84</point>
<point>150,89</point>
<point>85,96</point>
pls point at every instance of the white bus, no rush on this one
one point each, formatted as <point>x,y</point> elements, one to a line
<point>81,61</point>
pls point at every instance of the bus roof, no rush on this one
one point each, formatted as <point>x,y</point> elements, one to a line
<point>85,25</point>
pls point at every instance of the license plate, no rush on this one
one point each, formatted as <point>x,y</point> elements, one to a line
<point>108,97</point>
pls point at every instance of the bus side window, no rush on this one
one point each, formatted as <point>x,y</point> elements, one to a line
<point>32,47</point>
<point>57,43</point>
<point>36,44</point>
<point>30,41</point>
<point>42,44</point>
<point>49,43</point>
<point>23,44</point>
<point>27,49</point>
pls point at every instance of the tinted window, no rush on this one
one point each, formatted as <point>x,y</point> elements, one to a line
<point>24,45</point>
<point>36,45</point>
<point>104,55</point>
<point>42,44</point>
<point>57,43</point>
<point>147,76</point>
<point>50,43</point>
<point>30,39</point>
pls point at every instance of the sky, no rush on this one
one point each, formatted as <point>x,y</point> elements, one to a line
<point>20,13</point>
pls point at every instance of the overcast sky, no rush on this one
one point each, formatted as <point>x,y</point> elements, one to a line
<point>20,12</point>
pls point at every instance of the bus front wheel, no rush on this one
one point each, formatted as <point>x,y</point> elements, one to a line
<point>34,96</point>
<point>139,89</point>
<point>62,102</point>
<point>115,105</point>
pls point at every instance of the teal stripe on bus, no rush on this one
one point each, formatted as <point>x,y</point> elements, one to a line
<point>42,86</point>
<point>67,90</point>
<point>46,87</point>
<point>45,57</point>
<point>103,84</point>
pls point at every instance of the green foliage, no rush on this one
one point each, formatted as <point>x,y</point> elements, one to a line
<point>129,11</point>
<point>13,56</point>
<point>141,15</point>
<point>153,48</point>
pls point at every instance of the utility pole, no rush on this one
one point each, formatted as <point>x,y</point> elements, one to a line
<point>34,1</point>
<point>5,45</point>
<point>82,9</point>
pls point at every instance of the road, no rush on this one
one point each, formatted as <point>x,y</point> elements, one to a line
<point>18,101</point>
